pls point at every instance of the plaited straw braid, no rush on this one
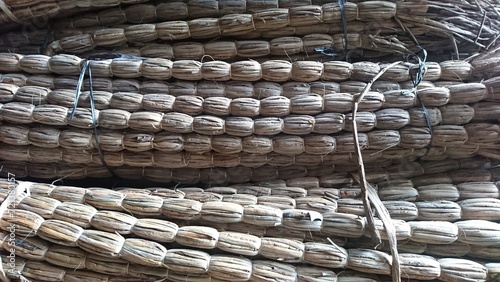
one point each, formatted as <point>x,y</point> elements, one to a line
<point>242,125</point>
<point>306,103</point>
<point>74,258</point>
<point>285,150</point>
<point>317,144</point>
<point>275,71</point>
<point>328,222</point>
<point>329,176</point>
<point>173,11</point>
<point>223,50</point>
<point>153,254</point>
<point>29,10</point>
<point>76,264</point>
<point>318,187</point>
<point>31,269</point>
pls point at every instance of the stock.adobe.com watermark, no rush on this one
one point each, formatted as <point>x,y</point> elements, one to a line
<point>9,213</point>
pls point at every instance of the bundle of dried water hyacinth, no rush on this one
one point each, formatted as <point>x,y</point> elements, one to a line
<point>51,211</point>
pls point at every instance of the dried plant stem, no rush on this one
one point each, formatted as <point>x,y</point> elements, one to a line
<point>370,194</point>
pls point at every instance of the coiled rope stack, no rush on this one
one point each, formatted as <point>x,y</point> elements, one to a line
<point>292,141</point>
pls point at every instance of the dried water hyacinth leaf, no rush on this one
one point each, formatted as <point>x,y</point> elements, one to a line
<point>35,95</point>
<point>485,111</point>
<point>79,214</point>
<point>438,166</point>
<point>318,40</point>
<point>306,104</point>
<point>28,248</point>
<point>177,123</point>
<point>365,121</point>
<point>10,62</point>
<point>113,118</point>
<point>222,50</point>
<point>239,243</point>
<point>146,121</point>
<point>481,208</point>
<point>434,96</point>
<point>246,107</point>
<point>364,71</point>
<point>76,139</point>
<point>40,205</point>
<point>246,71</point>
<point>402,229</point>
<point>208,125</point>
<point>419,118</point>
<point>145,205</point>
<point>298,124</point>
<point>305,15</point>
<point>337,71</point>
<point>62,97</point>
<point>383,139</point>
<point>197,237</point>
<point>271,19</point>
<point>455,70</point>
<point>328,123</point>
<point>269,270</point>
<point>369,261</point>
<point>397,190</point>
<point>402,210</point>
<point>276,70</point>
<point>456,114</point>
<point>438,210</point>
<point>240,199</point>
<point>101,243</point>
<point>325,255</point>
<point>267,89</point>
<point>337,102</point>
<point>227,268</point>
<point>69,257</point>
<point>216,70</point>
<point>279,202</point>
<point>320,204</point>
<point>226,144</point>
<point>433,232</point>
<point>316,274</point>
<point>289,145</point>
<point>42,270</point>
<point>104,199</point>
<point>155,229</point>
<point>256,144</point>
<point>281,249</point>
<point>101,99</point>
<point>419,267</point>
<point>187,261</point>
<point>449,135</point>
<point>27,223</point>
<point>455,269</point>
<point>219,106</point>
<point>157,68</point>
<point>65,64</point>
<point>414,137</point>
<point>478,232</point>
<point>352,206</point>
<point>306,71</point>
<point>113,221</point>
<point>262,215</point>
<point>455,249</point>
<point>222,212</point>
<point>109,37</point>
<point>487,253</point>
<point>439,191</point>
<point>276,106</point>
<point>17,135</point>
<point>473,190</point>
<point>470,175</point>
<point>465,93</point>
<point>143,252</point>
<point>482,133</point>
<point>181,208</point>
<point>33,64</point>
<point>392,118</point>
<point>302,220</point>
<point>399,99</point>
<point>397,73</point>
<point>17,112</point>
<point>79,43</point>
<point>60,232</point>
<point>345,142</point>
